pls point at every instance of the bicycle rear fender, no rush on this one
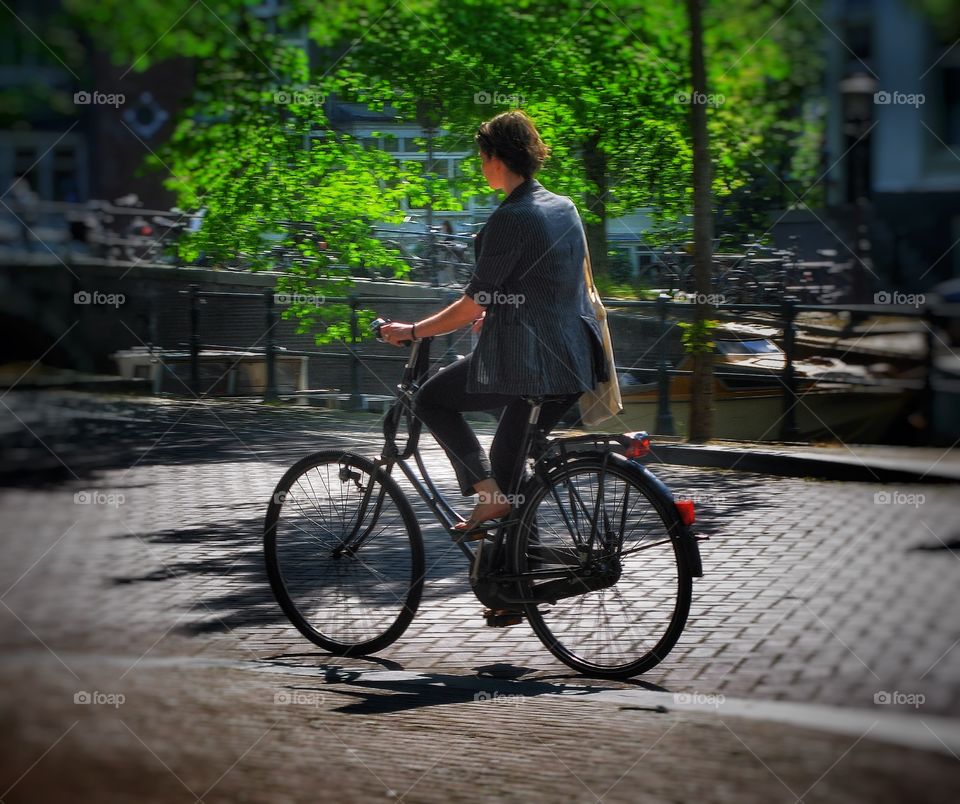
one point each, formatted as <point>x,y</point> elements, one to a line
<point>688,542</point>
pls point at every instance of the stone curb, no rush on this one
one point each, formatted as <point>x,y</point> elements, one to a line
<point>822,467</point>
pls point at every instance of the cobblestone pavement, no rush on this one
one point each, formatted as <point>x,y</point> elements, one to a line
<point>841,594</point>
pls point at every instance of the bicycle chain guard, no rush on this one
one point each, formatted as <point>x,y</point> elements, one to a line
<point>497,594</point>
<point>483,582</point>
<point>605,576</point>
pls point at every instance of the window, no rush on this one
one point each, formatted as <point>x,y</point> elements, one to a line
<point>25,163</point>
<point>410,145</point>
<point>65,186</point>
<point>55,171</point>
<point>439,166</point>
<point>950,96</point>
<point>943,95</point>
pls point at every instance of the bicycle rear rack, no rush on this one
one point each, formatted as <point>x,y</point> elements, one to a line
<point>545,450</point>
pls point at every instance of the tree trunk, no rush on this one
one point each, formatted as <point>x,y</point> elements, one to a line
<point>595,166</point>
<point>701,398</point>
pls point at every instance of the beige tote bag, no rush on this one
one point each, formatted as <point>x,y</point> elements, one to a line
<point>603,401</point>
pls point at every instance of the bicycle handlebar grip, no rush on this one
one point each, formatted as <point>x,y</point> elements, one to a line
<point>377,323</point>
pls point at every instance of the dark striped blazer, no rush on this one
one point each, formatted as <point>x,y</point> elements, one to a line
<point>540,335</point>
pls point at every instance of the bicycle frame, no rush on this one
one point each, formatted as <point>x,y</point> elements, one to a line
<point>415,372</point>
<point>547,453</point>
<point>565,538</point>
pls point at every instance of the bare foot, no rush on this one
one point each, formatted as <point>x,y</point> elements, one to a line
<point>482,511</point>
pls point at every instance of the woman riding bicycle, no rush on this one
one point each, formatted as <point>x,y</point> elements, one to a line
<point>528,298</point>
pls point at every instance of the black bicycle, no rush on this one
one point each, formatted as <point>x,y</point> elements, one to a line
<point>596,553</point>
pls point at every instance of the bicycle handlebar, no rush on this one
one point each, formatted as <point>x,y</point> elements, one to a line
<point>377,323</point>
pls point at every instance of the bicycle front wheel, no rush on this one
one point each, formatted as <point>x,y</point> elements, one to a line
<point>624,600</point>
<point>344,553</point>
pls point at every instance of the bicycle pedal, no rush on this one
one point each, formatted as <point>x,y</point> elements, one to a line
<point>503,620</point>
<point>472,535</point>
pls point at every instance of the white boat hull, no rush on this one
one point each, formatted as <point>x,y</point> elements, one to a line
<point>861,415</point>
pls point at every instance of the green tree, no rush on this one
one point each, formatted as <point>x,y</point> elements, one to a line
<point>943,14</point>
<point>701,397</point>
<point>254,149</point>
<point>604,99</point>
<point>766,61</point>
<point>606,84</point>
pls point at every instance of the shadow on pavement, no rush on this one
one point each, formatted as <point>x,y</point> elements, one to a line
<point>50,438</point>
<point>230,554</point>
<point>371,692</point>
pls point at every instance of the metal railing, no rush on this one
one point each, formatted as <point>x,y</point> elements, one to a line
<point>784,316</point>
<point>667,312</point>
<point>271,350</point>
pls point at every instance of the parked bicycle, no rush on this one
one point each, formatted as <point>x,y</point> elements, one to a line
<point>597,553</point>
<point>444,258</point>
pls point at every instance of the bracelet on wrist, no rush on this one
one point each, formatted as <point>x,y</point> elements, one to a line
<point>413,331</point>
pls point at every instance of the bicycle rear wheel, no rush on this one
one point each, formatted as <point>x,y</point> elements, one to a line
<point>622,612</point>
<point>344,553</point>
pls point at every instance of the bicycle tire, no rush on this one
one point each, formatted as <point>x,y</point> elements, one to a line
<point>300,548</point>
<point>566,628</point>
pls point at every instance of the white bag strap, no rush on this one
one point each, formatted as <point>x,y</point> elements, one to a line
<point>588,270</point>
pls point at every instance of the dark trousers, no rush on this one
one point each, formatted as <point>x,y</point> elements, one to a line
<point>439,404</point>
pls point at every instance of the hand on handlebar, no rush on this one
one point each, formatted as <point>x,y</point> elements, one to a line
<point>396,333</point>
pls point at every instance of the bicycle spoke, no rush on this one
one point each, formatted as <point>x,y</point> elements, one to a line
<point>348,563</point>
<point>619,625</point>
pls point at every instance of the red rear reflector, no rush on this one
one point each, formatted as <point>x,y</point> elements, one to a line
<point>685,509</point>
<point>639,445</point>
